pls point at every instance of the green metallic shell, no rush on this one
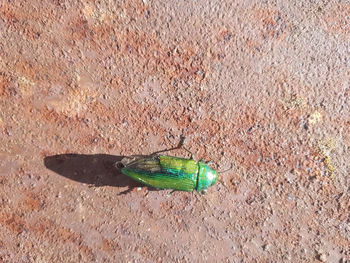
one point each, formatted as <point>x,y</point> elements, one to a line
<point>206,176</point>
<point>168,172</point>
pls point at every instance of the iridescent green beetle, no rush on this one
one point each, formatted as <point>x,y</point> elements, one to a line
<point>168,172</point>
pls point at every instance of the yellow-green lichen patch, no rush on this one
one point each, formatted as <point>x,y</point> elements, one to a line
<point>294,102</point>
<point>325,148</point>
<point>315,117</point>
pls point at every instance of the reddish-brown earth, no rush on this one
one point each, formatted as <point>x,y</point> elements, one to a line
<point>261,85</point>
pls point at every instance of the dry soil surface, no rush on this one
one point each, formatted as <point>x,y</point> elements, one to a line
<point>261,85</point>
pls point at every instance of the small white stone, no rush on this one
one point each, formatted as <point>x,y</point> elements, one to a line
<point>323,258</point>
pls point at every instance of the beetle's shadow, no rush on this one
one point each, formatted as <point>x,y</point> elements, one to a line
<point>95,169</point>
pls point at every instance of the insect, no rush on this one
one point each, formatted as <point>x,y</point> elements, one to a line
<point>169,172</point>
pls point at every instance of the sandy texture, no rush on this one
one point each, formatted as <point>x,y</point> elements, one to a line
<point>261,85</point>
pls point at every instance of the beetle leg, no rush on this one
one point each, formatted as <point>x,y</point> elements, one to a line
<point>169,194</point>
<point>180,145</point>
<point>167,150</point>
<point>209,162</point>
<point>196,194</point>
<point>223,184</point>
<point>203,192</point>
<point>188,152</point>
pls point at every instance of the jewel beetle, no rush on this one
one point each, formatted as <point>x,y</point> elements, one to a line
<point>169,172</point>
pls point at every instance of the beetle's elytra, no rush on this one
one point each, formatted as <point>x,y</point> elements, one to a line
<point>168,172</point>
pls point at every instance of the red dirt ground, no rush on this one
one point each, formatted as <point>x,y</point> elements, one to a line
<point>259,85</point>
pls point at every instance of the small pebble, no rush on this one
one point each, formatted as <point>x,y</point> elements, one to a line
<point>322,257</point>
<point>287,257</point>
<point>266,247</point>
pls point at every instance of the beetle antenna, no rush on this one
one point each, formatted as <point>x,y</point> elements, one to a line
<point>223,184</point>
<point>224,171</point>
<point>221,180</point>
